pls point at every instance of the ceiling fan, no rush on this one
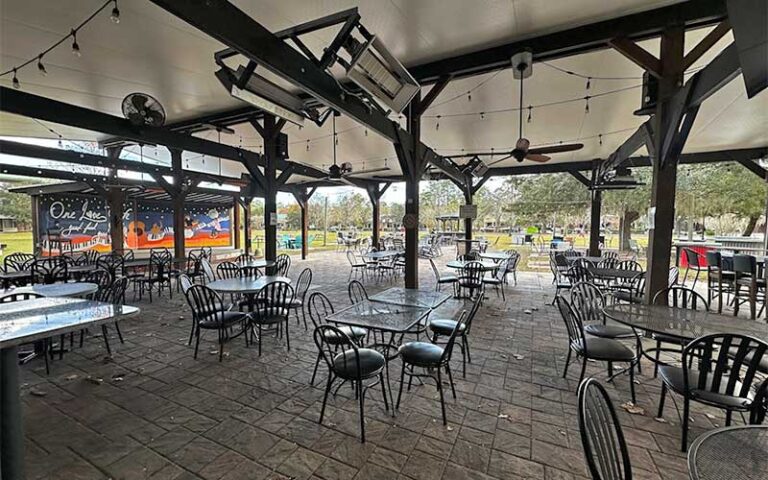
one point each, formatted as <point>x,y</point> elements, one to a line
<point>522,64</point>
<point>341,172</point>
<point>142,109</point>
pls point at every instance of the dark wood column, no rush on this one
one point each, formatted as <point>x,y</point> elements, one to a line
<point>374,195</point>
<point>664,165</point>
<point>468,195</point>
<point>594,222</point>
<point>275,144</point>
<point>116,206</point>
<point>302,196</point>
<point>236,224</point>
<point>177,201</point>
<point>411,166</point>
<point>247,223</point>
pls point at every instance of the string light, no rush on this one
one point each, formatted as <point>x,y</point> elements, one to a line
<point>469,95</point>
<point>75,47</point>
<point>586,104</point>
<point>307,145</point>
<point>115,15</point>
<point>530,116</point>
<point>366,132</point>
<point>61,144</point>
<point>437,125</point>
<point>482,115</point>
<point>41,67</point>
<point>600,138</point>
<point>589,82</point>
<point>16,83</point>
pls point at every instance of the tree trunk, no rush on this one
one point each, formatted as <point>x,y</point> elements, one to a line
<point>750,225</point>
<point>625,229</point>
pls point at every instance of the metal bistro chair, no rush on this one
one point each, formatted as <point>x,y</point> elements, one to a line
<point>635,291</point>
<point>228,270</point>
<point>282,264</point>
<point>355,265</point>
<point>676,297</point>
<point>602,439</point>
<point>497,279</point>
<point>208,273</point>
<point>194,268</point>
<point>158,274</point>
<point>350,363</point>
<point>471,278</point>
<point>273,309</point>
<point>432,359</point>
<point>320,307</point>
<point>49,270</point>
<point>441,279</point>
<point>719,280</point>
<point>443,327</point>
<point>300,299</point>
<point>694,263</point>
<point>356,292</point>
<point>745,275</point>
<point>717,370</point>
<point>113,263</point>
<point>514,259</point>
<point>114,294</point>
<point>207,315</point>
<point>594,348</point>
<point>588,303</point>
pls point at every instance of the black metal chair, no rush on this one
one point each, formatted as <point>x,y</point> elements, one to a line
<point>158,276</point>
<point>207,315</point>
<point>88,257</point>
<point>113,263</point>
<point>355,265</point>
<point>300,299</point>
<point>194,268</point>
<point>693,263</point>
<point>471,278</point>
<point>602,438</point>
<point>114,294</point>
<point>17,262</point>
<point>676,297</point>
<point>49,270</point>
<point>588,303</point>
<point>719,280</point>
<point>282,264</point>
<point>635,290</point>
<point>208,273</point>
<point>356,292</point>
<point>443,279</point>
<point>443,327</point>
<point>594,348</point>
<point>432,359</point>
<point>320,307</point>
<point>746,275</point>
<point>514,259</point>
<point>497,279</point>
<point>228,270</point>
<point>717,370</point>
<point>273,309</point>
<point>607,262</point>
<point>350,363</point>
<point>47,343</point>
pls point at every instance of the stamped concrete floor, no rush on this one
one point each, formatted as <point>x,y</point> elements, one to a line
<point>153,412</point>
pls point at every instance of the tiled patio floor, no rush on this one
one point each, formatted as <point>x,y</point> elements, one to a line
<point>159,414</point>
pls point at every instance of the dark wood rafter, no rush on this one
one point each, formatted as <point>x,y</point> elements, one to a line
<point>706,43</point>
<point>581,178</point>
<point>302,196</point>
<point>245,203</point>
<point>643,136</point>
<point>748,19</point>
<point>755,168</point>
<point>637,54</point>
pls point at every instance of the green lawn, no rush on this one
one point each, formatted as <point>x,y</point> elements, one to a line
<point>16,242</point>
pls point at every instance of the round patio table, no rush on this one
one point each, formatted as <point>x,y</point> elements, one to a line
<point>495,256</point>
<point>613,273</point>
<point>730,453</point>
<point>245,285</point>
<point>459,264</point>
<point>681,323</point>
<point>74,289</point>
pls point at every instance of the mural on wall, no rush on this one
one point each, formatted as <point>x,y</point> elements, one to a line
<point>72,223</point>
<point>82,222</point>
<point>152,226</point>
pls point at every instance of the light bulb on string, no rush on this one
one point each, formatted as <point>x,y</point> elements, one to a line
<point>40,66</point>
<point>600,138</point>
<point>482,115</point>
<point>492,152</point>
<point>586,104</point>
<point>75,47</point>
<point>115,15</point>
<point>307,145</point>
<point>589,82</point>
<point>530,117</point>
<point>437,125</point>
<point>469,96</point>
<point>15,81</point>
<point>61,144</point>
<point>366,132</point>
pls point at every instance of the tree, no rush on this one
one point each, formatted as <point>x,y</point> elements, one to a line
<point>438,198</point>
<point>547,199</point>
<point>16,205</point>
<point>628,205</point>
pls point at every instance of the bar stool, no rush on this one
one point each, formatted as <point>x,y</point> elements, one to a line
<point>745,275</point>
<point>692,259</point>
<point>719,280</point>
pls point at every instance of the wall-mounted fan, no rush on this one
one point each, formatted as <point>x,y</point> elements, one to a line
<point>143,109</point>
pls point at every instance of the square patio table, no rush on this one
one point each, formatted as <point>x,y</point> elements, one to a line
<point>411,297</point>
<point>25,322</point>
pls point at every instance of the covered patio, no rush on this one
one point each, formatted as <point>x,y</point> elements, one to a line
<point>251,100</point>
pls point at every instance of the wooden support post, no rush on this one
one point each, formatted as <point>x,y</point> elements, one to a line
<point>664,169</point>
<point>374,194</point>
<point>468,221</point>
<point>247,223</point>
<point>594,223</point>
<point>236,223</point>
<point>302,196</point>
<point>116,206</point>
<point>273,155</point>
<point>177,201</point>
<point>410,164</point>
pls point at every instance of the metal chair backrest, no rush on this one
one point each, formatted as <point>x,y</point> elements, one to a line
<point>244,257</point>
<point>207,253</point>
<point>691,257</point>
<point>561,260</point>
<point>611,254</point>
<point>472,274</point>
<point>207,270</point>
<point>274,299</point>
<point>88,257</point>
<point>607,262</point>
<point>476,303</point>
<point>303,283</point>
<point>601,436</point>
<point>159,266</point>
<point>448,349</point>
<point>113,263</point>
<point>674,276</point>
<point>714,261</point>
<point>499,273</point>
<point>630,265</point>
<point>587,263</point>
<point>114,293</point>
<point>434,269</point>
<point>726,364</point>
<point>352,258</point>
<point>335,346</point>
<point>205,303</point>
<point>18,261</point>
<point>637,285</point>
<point>18,297</point>
<point>572,324</point>
<point>226,270</point>
<point>49,270</point>
<point>101,277</point>
<point>514,259</point>
<point>159,252</point>
<point>572,253</point>
<point>579,273</point>
<point>128,255</point>
<point>357,292</point>
<point>588,302</point>
<point>319,307</point>
<point>745,266</point>
<point>186,282</point>
<point>681,297</point>
<point>282,264</point>
<point>193,261</point>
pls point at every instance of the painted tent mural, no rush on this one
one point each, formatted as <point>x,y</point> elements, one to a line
<point>83,222</point>
<point>152,226</point>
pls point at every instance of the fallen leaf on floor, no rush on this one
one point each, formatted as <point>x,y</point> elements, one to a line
<point>562,432</point>
<point>118,377</point>
<point>527,312</point>
<point>503,415</point>
<point>71,377</point>
<point>518,356</point>
<point>632,408</point>
<point>94,380</point>
<point>535,309</point>
<point>660,420</point>
<point>710,416</point>
<point>450,429</point>
<point>38,393</point>
<point>503,356</point>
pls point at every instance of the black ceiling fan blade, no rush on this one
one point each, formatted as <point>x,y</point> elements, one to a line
<point>537,157</point>
<point>370,170</point>
<point>571,147</point>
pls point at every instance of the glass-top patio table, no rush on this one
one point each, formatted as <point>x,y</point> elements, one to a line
<point>383,254</point>
<point>411,297</point>
<point>614,273</point>
<point>495,256</point>
<point>732,453</point>
<point>25,322</point>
